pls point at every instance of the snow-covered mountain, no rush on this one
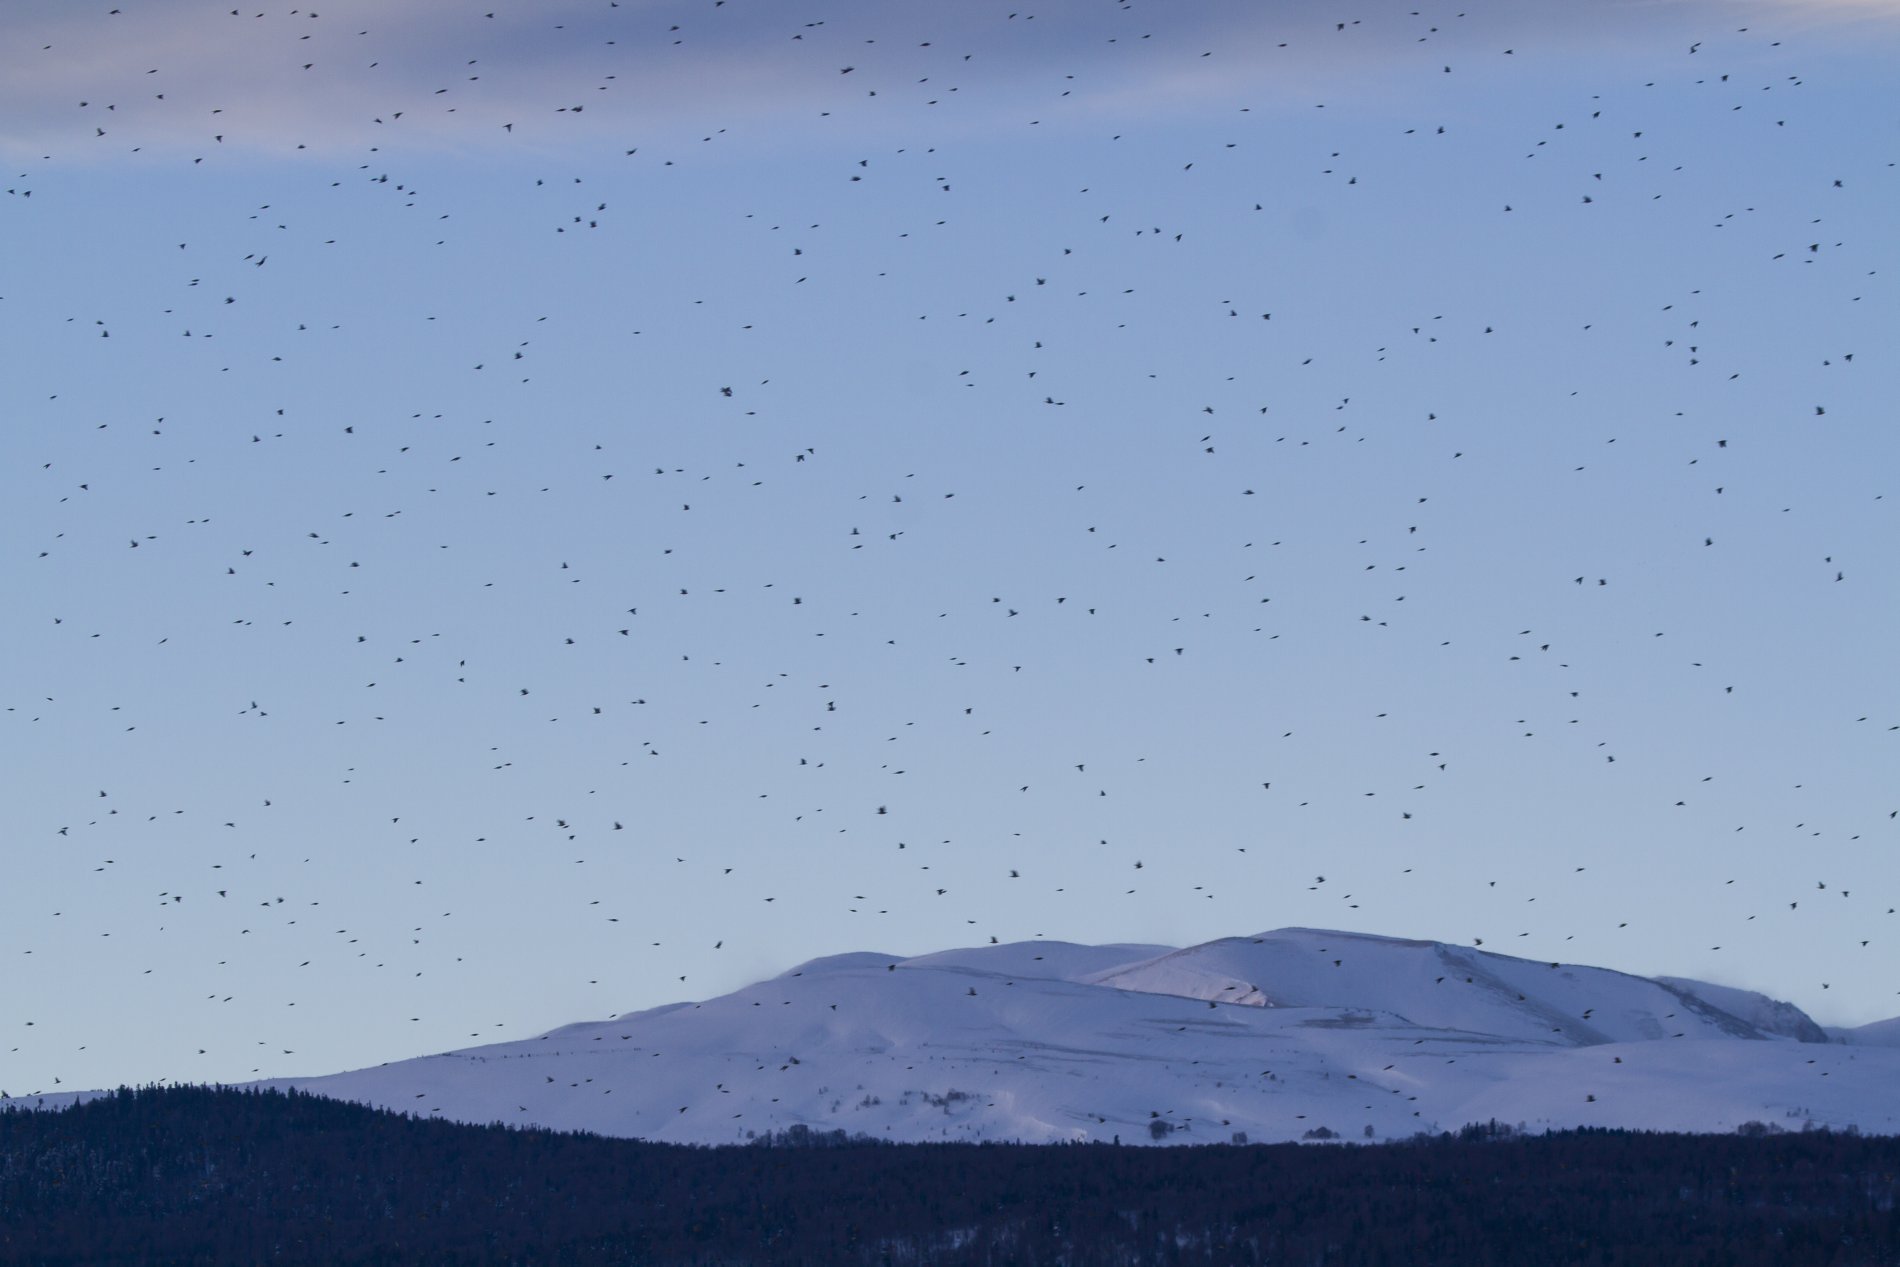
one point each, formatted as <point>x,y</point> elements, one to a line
<point>1292,1034</point>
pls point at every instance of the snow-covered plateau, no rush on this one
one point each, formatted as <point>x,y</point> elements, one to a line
<point>1288,1035</point>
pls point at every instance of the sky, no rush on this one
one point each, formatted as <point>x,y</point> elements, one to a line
<point>516,513</point>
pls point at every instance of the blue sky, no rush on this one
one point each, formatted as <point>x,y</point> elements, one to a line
<point>1150,440</point>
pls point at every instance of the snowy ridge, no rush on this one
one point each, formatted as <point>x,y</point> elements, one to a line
<point>1292,1034</point>
<point>1432,984</point>
<point>1771,1016</point>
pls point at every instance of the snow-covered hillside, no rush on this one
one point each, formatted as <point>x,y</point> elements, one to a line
<point>1292,1034</point>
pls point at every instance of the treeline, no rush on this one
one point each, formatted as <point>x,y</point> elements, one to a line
<point>198,1175</point>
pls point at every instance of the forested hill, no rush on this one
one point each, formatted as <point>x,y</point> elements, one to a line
<point>196,1175</point>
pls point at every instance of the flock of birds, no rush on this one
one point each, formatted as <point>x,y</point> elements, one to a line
<point>701,488</point>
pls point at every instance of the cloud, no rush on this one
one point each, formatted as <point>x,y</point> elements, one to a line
<point>345,76</point>
<point>481,75</point>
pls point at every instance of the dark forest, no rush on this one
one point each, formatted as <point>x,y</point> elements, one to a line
<point>201,1175</point>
